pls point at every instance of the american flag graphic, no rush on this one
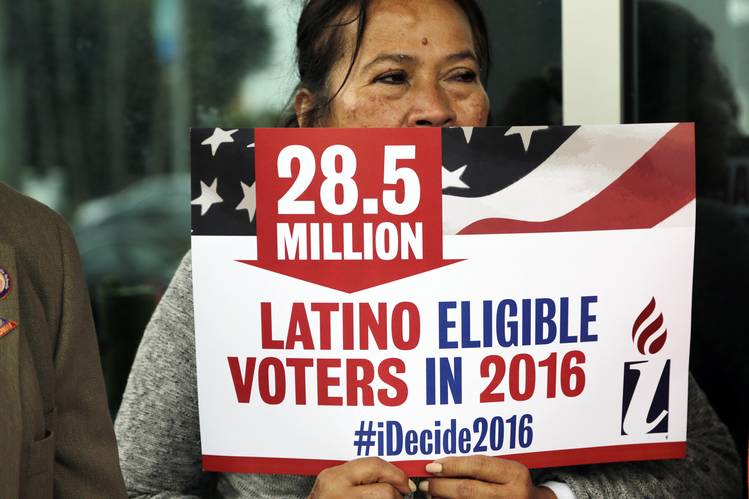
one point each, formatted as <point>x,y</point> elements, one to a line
<point>497,179</point>
<point>223,181</point>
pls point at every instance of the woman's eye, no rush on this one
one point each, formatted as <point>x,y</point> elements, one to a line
<point>465,76</point>
<point>396,78</point>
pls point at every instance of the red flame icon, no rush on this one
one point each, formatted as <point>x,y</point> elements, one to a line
<point>651,338</point>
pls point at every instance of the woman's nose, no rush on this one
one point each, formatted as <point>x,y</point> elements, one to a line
<point>431,107</point>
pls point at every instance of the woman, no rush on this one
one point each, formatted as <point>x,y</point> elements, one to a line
<point>375,63</point>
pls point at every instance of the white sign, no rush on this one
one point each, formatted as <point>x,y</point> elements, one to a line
<point>364,319</point>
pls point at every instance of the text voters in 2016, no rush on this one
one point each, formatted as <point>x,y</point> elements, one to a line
<point>495,325</point>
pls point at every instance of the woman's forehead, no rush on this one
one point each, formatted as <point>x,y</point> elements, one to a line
<point>425,25</point>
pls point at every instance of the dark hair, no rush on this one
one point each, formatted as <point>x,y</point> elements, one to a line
<point>320,43</point>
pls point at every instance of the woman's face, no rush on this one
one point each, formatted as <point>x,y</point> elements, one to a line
<point>416,66</point>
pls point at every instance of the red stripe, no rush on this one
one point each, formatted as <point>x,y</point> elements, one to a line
<point>547,459</point>
<point>654,188</point>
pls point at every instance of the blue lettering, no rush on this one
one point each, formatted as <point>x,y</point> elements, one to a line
<point>465,326</point>
<point>586,318</point>
<point>545,311</point>
<point>564,321</point>
<point>451,381</point>
<point>412,439</point>
<point>395,438</point>
<point>425,446</point>
<point>488,323</point>
<point>445,324</point>
<point>503,341</point>
<point>430,381</point>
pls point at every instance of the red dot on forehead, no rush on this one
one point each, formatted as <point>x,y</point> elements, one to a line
<point>424,41</point>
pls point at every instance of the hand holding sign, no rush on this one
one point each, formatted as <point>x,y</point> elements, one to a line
<point>368,477</point>
<point>478,477</point>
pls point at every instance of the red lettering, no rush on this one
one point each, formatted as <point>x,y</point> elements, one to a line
<point>325,381</point>
<point>526,392</point>
<point>376,325</point>
<point>414,326</point>
<point>355,384</point>
<point>360,374</point>
<point>324,310</point>
<point>360,325</point>
<point>242,384</point>
<point>348,326</point>
<point>279,380</point>
<point>299,330</point>
<point>300,378</point>
<point>266,328</point>
<point>401,389</point>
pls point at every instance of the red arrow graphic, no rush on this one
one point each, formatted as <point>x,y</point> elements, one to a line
<point>384,184</point>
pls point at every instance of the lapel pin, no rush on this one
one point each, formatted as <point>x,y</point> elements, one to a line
<point>6,326</point>
<point>5,283</point>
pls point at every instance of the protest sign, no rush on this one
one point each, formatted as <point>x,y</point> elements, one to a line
<point>411,294</point>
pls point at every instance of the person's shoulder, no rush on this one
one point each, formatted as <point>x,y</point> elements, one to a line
<point>21,210</point>
<point>32,228</point>
<point>13,199</point>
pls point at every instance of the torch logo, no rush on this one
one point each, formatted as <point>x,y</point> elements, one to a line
<point>650,338</point>
<point>646,382</point>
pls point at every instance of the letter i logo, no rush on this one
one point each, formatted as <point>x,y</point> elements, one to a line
<point>646,382</point>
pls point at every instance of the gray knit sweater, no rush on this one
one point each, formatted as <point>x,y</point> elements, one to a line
<point>159,439</point>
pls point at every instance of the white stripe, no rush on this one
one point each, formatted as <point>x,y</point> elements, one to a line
<point>684,217</point>
<point>585,164</point>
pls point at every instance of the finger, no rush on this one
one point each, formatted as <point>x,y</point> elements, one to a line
<point>488,469</point>
<point>459,488</point>
<point>376,491</point>
<point>371,470</point>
